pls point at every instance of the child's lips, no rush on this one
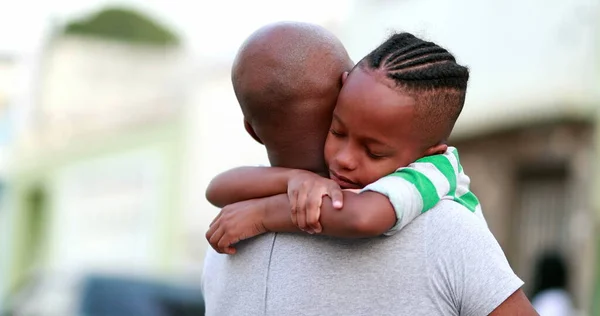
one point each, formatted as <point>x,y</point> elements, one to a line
<point>342,181</point>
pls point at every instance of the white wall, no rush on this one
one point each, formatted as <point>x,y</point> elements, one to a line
<point>94,87</point>
<point>108,213</point>
<point>216,142</point>
<point>7,90</point>
<point>8,68</point>
<point>91,84</point>
<point>7,78</point>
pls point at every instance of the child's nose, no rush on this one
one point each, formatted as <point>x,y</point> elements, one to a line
<point>345,159</point>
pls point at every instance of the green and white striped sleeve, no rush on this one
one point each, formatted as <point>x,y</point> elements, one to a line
<point>417,188</point>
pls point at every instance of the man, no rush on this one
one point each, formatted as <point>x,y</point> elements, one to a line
<point>446,262</point>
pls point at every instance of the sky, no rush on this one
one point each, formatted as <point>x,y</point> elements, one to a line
<point>209,27</point>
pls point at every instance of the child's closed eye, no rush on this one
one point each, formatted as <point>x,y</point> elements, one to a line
<point>375,156</point>
<point>336,133</point>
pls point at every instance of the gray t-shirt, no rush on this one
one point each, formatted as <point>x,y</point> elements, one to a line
<point>444,263</point>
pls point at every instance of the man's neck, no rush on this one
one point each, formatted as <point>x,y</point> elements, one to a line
<point>295,163</point>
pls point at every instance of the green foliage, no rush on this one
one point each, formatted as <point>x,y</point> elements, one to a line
<point>123,25</point>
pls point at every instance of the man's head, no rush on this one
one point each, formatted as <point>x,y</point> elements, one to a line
<point>398,104</point>
<point>286,77</point>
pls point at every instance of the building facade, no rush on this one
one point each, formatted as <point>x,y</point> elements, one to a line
<point>96,178</point>
<point>8,66</point>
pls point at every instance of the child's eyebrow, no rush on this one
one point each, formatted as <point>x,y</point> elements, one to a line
<point>373,141</point>
<point>337,118</point>
<point>366,140</point>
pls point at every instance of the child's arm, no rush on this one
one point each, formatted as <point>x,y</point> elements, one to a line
<point>419,187</point>
<point>383,207</point>
<point>363,215</point>
<point>367,214</point>
<point>411,190</point>
<point>245,183</point>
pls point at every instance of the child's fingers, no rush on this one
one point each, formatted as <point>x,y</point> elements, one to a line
<point>215,238</point>
<point>211,230</point>
<point>313,209</point>
<point>216,218</point>
<point>336,195</point>
<point>230,250</point>
<point>294,219</point>
<point>293,198</point>
<point>225,243</point>
<point>301,208</point>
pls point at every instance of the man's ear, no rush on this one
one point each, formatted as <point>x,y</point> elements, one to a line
<point>438,149</point>
<point>251,131</point>
<point>344,77</point>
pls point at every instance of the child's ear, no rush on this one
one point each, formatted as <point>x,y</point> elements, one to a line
<point>438,149</point>
<point>344,77</point>
<point>251,131</point>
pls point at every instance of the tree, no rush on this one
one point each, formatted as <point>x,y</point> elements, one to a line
<point>123,25</point>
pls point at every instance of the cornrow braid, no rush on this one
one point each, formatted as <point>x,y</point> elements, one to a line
<point>427,72</point>
<point>417,64</point>
<point>398,61</point>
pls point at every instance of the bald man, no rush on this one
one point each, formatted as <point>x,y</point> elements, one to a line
<point>287,77</point>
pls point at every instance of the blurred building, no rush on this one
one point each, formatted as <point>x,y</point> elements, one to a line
<point>109,175</point>
<point>528,135</point>
<point>8,65</point>
<point>96,180</point>
<point>8,68</point>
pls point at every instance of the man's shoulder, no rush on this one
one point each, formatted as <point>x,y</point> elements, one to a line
<point>452,214</point>
<point>474,273</point>
<point>449,222</point>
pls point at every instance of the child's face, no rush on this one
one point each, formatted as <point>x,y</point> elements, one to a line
<point>371,133</point>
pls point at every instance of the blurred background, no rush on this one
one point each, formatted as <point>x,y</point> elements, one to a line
<point>115,115</point>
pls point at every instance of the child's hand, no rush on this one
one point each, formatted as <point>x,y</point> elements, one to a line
<point>305,192</point>
<point>236,222</point>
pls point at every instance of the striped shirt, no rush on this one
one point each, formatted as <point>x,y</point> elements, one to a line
<point>415,189</point>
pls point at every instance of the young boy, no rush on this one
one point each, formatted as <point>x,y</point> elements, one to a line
<point>397,106</point>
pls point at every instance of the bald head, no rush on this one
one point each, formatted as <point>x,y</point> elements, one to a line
<point>286,77</point>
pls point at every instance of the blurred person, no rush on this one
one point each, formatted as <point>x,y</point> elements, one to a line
<point>302,274</point>
<point>550,296</point>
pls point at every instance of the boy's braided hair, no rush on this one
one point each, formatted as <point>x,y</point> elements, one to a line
<point>427,72</point>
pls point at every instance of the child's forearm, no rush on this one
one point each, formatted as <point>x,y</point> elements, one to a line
<point>245,183</point>
<point>368,214</point>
